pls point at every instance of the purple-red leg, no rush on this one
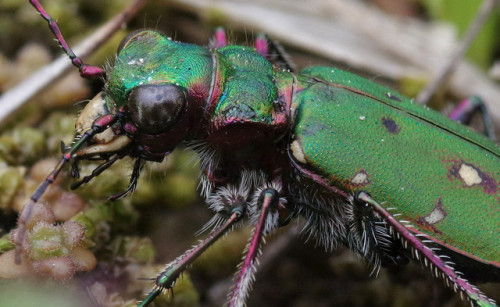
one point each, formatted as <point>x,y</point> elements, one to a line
<point>86,71</point>
<point>274,52</point>
<point>219,39</point>
<point>269,201</point>
<point>429,257</point>
<point>262,46</point>
<point>167,278</point>
<point>467,107</point>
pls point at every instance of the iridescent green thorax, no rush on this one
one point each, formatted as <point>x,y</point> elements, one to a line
<point>151,58</point>
<point>248,87</point>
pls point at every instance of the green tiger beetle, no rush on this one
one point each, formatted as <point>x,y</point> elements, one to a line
<point>363,165</point>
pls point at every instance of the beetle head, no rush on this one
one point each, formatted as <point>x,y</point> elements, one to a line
<point>148,126</point>
<point>157,88</point>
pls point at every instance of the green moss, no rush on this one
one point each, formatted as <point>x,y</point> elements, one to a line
<point>22,145</point>
<point>11,179</point>
<point>5,243</point>
<point>101,212</point>
<point>58,126</point>
<point>138,248</point>
<point>185,293</point>
<point>87,224</point>
<point>46,242</point>
<point>171,183</point>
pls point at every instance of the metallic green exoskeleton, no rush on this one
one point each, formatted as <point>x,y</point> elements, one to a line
<point>323,144</point>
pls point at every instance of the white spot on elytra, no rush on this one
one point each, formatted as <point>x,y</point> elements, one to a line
<point>297,152</point>
<point>362,117</point>
<point>469,174</point>
<point>360,178</point>
<point>437,215</point>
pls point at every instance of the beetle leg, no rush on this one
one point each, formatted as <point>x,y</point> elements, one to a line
<point>219,39</point>
<point>167,278</point>
<point>268,203</point>
<point>467,108</point>
<point>262,45</point>
<point>96,172</point>
<point>370,237</point>
<point>134,178</point>
<point>430,258</point>
<point>230,204</point>
<point>274,52</point>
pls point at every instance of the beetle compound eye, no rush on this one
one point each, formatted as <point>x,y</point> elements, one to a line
<point>154,108</point>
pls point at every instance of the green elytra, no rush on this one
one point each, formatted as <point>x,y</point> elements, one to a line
<point>438,174</point>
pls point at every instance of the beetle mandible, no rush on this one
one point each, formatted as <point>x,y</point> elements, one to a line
<point>384,176</point>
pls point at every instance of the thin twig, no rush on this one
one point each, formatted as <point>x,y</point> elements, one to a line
<point>482,15</point>
<point>39,80</point>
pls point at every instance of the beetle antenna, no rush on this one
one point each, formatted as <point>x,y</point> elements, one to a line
<point>99,125</point>
<point>86,71</point>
